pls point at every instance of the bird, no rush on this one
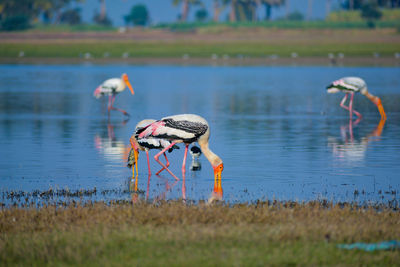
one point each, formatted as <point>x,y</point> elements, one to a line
<point>351,85</point>
<point>145,144</point>
<point>196,153</point>
<point>187,129</point>
<point>112,87</point>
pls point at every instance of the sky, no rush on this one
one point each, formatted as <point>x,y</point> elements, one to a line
<point>163,10</point>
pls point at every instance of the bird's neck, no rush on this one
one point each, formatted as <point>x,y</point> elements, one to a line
<point>370,96</point>
<point>211,156</point>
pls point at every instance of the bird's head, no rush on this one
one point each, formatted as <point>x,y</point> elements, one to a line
<point>126,81</point>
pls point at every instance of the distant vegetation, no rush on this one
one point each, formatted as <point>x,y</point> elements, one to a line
<point>23,15</point>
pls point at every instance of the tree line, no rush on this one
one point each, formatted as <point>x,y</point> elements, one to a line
<point>19,14</point>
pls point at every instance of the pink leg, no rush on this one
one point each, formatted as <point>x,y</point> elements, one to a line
<point>351,106</point>
<point>159,162</point>
<point>148,161</point>
<point>183,187</point>
<point>114,108</point>
<point>348,108</point>
<point>109,105</point>
<point>165,165</point>
<point>184,159</point>
<point>148,187</point>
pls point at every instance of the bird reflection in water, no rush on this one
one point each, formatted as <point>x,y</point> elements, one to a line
<point>195,152</point>
<point>111,148</point>
<point>352,149</point>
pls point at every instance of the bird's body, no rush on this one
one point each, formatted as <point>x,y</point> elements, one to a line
<point>111,88</point>
<point>184,128</point>
<point>145,144</point>
<point>351,85</point>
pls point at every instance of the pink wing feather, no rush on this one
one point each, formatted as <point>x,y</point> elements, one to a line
<point>152,129</point>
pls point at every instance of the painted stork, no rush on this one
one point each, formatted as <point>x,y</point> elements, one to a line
<point>185,128</point>
<point>351,85</point>
<point>112,87</point>
<point>145,144</point>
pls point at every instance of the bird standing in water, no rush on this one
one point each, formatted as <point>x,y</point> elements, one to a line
<point>112,87</point>
<point>145,144</point>
<point>351,85</point>
<point>185,128</point>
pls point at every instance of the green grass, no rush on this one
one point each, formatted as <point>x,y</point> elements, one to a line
<point>193,49</point>
<point>175,234</point>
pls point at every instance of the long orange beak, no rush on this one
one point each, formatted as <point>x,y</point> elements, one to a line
<point>129,86</point>
<point>217,180</point>
<point>377,101</point>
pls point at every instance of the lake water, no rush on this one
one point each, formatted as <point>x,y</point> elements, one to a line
<point>278,132</point>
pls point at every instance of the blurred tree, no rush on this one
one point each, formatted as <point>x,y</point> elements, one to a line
<point>328,5</point>
<point>295,16</point>
<point>50,10</point>
<point>219,5</point>
<point>71,16</point>
<point>139,15</point>
<point>201,14</point>
<point>186,7</point>
<point>101,18</point>
<point>370,12</point>
<point>269,4</point>
<point>15,23</point>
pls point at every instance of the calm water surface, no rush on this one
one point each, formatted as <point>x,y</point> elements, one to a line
<point>279,134</point>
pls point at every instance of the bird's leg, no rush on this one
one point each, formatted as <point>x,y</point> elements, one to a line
<point>135,153</point>
<point>343,101</point>
<point>166,159</point>
<point>109,105</point>
<point>118,109</point>
<point>184,159</point>
<point>148,187</point>
<point>351,106</point>
<point>347,108</point>
<point>148,161</point>
<point>159,162</point>
<point>183,187</point>
<point>165,155</point>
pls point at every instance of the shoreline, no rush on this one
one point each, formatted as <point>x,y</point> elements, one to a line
<point>245,61</point>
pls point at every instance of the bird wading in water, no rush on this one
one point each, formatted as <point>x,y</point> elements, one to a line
<point>351,85</point>
<point>187,129</point>
<point>112,87</point>
<point>145,144</point>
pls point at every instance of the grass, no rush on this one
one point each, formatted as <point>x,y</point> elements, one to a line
<point>177,234</point>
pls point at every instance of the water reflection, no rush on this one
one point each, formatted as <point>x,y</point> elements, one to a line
<point>110,147</point>
<point>349,148</point>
